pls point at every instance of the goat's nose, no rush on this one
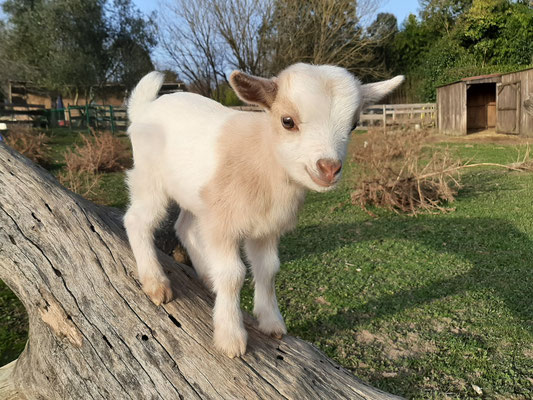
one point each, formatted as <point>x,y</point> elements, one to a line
<point>329,168</point>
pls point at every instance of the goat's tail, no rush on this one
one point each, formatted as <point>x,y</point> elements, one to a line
<point>145,92</point>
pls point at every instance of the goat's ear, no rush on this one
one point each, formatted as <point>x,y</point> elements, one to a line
<point>374,92</point>
<point>254,90</point>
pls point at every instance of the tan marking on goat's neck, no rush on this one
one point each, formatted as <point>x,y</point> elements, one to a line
<point>244,196</point>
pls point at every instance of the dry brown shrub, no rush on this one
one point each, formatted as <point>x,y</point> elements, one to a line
<point>82,183</point>
<point>99,152</point>
<point>398,173</point>
<point>29,142</point>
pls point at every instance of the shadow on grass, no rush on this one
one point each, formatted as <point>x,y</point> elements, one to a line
<point>499,253</point>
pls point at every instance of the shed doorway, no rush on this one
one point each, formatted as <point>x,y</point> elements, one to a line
<point>481,107</point>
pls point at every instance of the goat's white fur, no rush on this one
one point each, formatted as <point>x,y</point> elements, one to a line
<point>238,177</point>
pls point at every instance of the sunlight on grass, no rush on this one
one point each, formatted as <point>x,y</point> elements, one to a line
<point>422,307</point>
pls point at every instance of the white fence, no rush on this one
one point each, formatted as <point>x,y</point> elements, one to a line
<point>420,115</point>
<point>384,115</point>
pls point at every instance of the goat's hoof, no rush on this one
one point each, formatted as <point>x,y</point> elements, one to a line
<point>272,327</point>
<point>158,290</point>
<point>276,335</point>
<point>232,344</point>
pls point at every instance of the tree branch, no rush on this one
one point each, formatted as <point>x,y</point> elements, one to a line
<point>94,334</point>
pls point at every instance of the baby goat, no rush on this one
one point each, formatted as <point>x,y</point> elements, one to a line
<point>239,178</point>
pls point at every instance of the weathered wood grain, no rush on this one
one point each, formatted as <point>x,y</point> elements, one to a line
<point>95,335</point>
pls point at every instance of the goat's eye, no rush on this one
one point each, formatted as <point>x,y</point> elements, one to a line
<point>287,122</point>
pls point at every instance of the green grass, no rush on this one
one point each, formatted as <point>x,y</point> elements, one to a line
<point>422,307</point>
<point>418,306</point>
<point>13,325</point>
<point>60,139</point>
<point>111,190</point>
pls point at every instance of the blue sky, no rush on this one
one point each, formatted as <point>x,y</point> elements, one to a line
<point>400,8</point>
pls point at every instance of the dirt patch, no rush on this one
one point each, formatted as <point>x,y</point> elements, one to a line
<point>409,346</point>
<point>366,337</point>
<point>486,136</point>
<point>528,353</point>
<point>441,325</point>
<point>322,300</point>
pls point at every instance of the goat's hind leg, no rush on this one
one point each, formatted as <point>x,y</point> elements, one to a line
<point>147,209</point>
<point>187,230</point>
<point>226,273</point>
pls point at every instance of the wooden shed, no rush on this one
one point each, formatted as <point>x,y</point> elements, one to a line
<point>496,101</point>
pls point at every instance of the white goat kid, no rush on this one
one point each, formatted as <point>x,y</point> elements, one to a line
<point>239,177</point>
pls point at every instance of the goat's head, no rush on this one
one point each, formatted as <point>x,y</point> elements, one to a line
<point>312,110</point>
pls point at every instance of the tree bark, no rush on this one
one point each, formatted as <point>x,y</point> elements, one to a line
<point>95,335</point>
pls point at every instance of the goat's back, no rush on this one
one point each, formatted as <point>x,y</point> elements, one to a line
<point>175,141</point>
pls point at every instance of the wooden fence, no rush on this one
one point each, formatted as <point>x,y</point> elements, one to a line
<point>396,115</point>
<point>22,113</point>
<point>420,115</point>
<point>114,118</point>
<point>78,117</point>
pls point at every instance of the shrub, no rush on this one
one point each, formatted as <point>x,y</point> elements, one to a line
<point>100,152</point>
<point>29,142</point>
<point>82,183</point>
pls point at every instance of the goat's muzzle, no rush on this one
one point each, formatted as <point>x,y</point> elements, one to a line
<point>329,170</point>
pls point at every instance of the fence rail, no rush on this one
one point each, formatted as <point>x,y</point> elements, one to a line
<point>115,118</point>
<point>384,115</point>
<point>24,113</point>
<point>80,117</point>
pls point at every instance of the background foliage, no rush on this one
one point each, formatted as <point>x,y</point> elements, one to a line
<point>453,39</point>
<point>83,44</point>
<point>75,44</point>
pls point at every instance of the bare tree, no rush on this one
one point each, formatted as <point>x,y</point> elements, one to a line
<point>204,39</point>
<point>323,32</point>
<point>193,44</point>
<point>94,335</point>
<point>241,24</point>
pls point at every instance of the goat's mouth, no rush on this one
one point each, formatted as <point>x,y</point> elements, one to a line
<point>319,181</point>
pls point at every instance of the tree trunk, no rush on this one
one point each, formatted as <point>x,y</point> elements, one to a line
<point>95,335</point>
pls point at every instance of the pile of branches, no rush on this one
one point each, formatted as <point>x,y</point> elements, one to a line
<point>397,172</point>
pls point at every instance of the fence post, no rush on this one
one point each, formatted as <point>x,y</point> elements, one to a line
<point>384,118</point>
<point>69,117</point>
<point>112,119</point>
<point>88,118</point>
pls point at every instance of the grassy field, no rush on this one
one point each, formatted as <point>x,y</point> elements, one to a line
<point>436,306</point>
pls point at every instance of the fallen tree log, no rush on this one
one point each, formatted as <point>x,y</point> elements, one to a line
<point>95,335</point>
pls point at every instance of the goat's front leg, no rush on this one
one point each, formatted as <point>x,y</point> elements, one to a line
<point>226,272</point>
<point>263,255</point>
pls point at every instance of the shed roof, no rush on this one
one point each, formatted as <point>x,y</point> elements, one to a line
<point>490,78</point>
<point>481,77</point>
